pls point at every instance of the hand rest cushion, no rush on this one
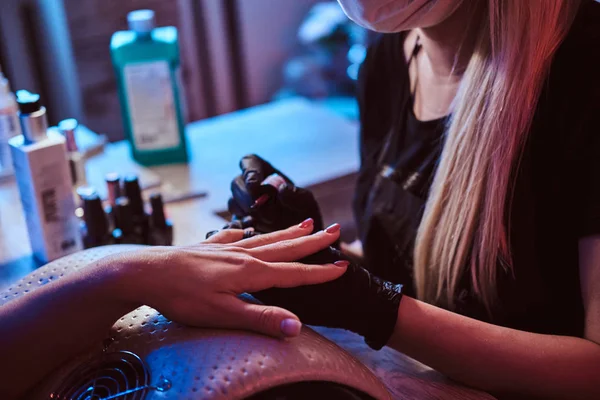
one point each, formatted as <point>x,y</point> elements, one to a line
<point>194,363</point>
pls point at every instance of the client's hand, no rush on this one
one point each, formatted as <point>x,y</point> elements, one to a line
<point>281,204</point>
<point>357,301</point>
<point>194,285</point>
<point>198,285</point>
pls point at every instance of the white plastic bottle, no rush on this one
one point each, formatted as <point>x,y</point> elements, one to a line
<point>9,126</point>
<point>44,182</point>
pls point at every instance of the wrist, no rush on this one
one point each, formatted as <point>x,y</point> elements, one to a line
<point>376,309</point>
<point>385,302</point>
<point>118,280</point>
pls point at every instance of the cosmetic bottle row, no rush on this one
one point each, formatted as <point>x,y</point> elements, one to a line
<point>125,219</point>
<point>48,168</point>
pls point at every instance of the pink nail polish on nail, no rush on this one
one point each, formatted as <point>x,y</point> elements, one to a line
<point>306,223</point>
<point>341,263</point>
<point>291,327</point>
<point>333,228</point>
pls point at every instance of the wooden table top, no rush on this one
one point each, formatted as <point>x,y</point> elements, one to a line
<point>308,142</point>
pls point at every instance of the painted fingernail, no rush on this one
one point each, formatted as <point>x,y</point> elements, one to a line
<point>333,228</point>
<point>306,223</point>
<point>291,327</point>
<point>342,263</point>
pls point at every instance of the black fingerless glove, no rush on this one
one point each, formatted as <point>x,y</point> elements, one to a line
<point>285,206</point>
<point>357,301</point>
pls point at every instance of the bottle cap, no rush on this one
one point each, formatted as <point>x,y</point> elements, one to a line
<point>158,213</point>
<point>32,115</point>
<point>131,187</point>
<point>28,102</point>
<point>67,128</point>
<point>86,191</point>
<point>113,187</point>
<point>141,21</point>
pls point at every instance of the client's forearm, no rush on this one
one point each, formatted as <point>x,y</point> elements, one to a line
<point>45,328</point>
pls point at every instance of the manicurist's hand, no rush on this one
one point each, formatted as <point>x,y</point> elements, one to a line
<point>357,301</point>
<point>198,285</point>
<point>280,204</point>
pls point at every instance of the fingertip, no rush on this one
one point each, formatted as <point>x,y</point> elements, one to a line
<point>337,269</point>
<point>251,178</point>
<point>225,236</point>
<point>333,228</point>
<point>270,320</point>
<point>327,272</point>
<point>308,223</point>
<point>330,234</point>
<point>291,327</point>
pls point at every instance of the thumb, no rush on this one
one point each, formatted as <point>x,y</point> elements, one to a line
<point>271,321</point>
<point>254,171</point>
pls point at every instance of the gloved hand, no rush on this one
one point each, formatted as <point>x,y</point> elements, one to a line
<point>357,301</point>
<point>279,206</point>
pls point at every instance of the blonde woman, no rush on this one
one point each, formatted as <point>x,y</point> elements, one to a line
<point>479,192</point>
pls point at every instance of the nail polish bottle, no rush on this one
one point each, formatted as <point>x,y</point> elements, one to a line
<point>113,192</point>
<point>161,231</point>
<point>82,193</point>
<point>42,173</point>
<point>132,190</point>
<point>113,187</point>
<point>68,128</point>
<point>96,231</point>
<point>124,231</point>
<point>85,191</point>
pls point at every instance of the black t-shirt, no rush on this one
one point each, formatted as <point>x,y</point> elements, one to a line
<point>556,199</point>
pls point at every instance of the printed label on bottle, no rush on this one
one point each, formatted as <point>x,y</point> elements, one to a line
<point>152,108</point>
<point>56,212</point>
<point>181,97</point>
<point>47,197</point>
<point>9,127</point>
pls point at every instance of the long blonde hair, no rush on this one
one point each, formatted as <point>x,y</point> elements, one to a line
<point>463,229</point>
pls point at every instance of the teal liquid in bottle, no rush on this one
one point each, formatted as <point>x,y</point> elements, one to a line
<point>146,62</point>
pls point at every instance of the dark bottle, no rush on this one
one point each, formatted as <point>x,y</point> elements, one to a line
<point>113,192</point>
<point>132,190</point>
<point>82,193</point>
<point>161,230</point>
<point>124,231</point>
<point>97,232</point>
<point>113,187</point>
<point>85,191</point>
